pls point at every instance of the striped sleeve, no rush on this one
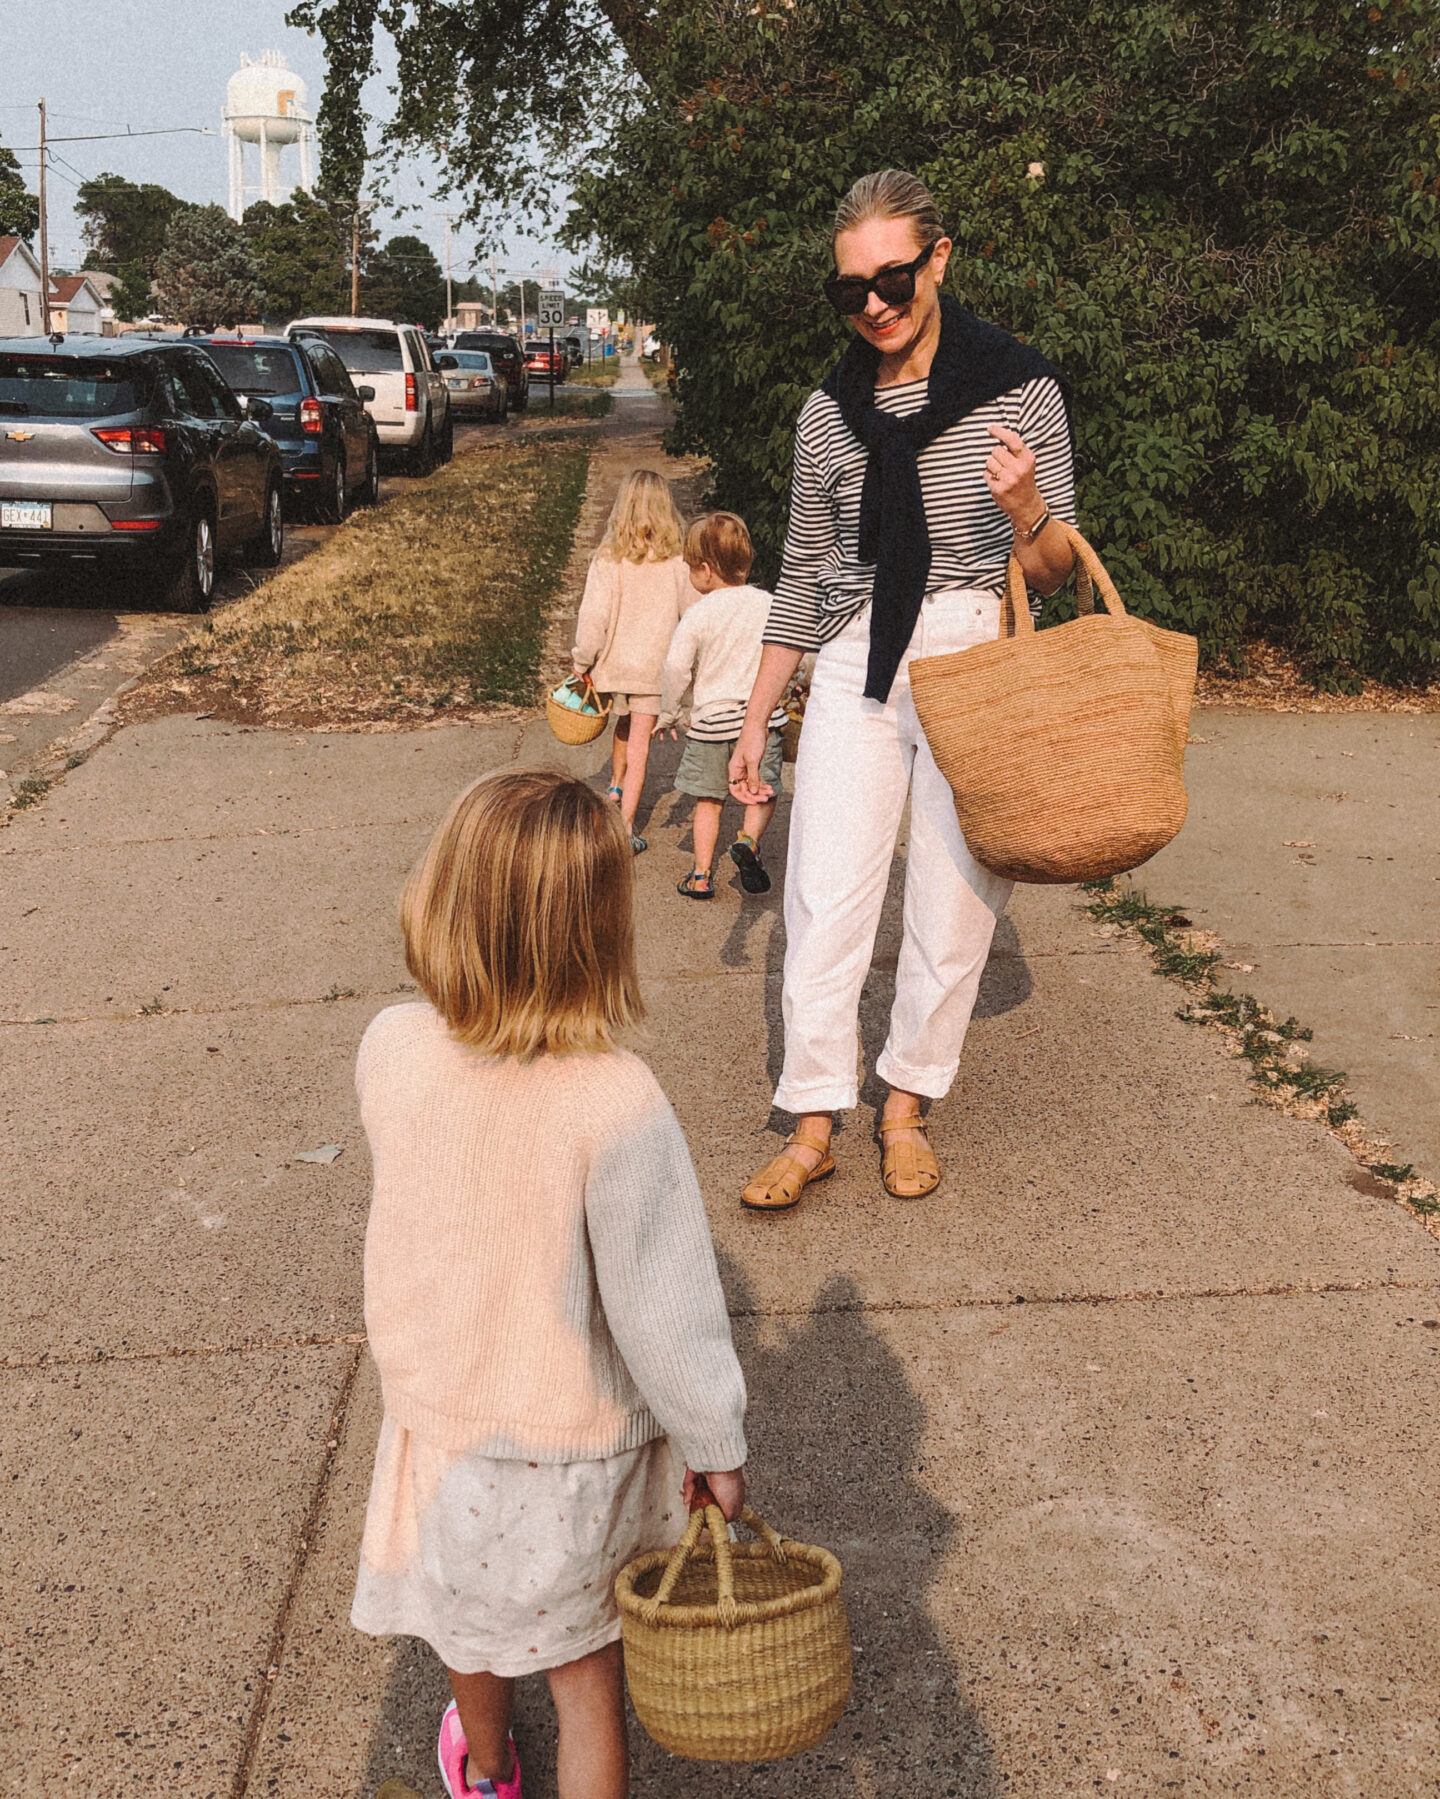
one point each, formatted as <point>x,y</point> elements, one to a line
<point>1046,430</point>
<point>809,541</point>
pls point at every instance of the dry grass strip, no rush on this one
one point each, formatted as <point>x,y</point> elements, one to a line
<point>432,606</point>
<point>1272,681</point>
<point>1280,1067</point>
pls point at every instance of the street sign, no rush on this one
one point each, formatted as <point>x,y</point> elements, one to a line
<point>552,309</point>
<point>597,319</point>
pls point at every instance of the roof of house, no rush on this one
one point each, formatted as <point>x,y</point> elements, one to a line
<point>8,247</point>
<point>64,288</point>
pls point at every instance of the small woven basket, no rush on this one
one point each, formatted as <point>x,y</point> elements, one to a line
<point>570,725</point>
<point>735,1652</point>
<point>1064,749</point>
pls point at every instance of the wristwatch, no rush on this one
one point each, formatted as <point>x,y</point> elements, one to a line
<point>1028,537</point>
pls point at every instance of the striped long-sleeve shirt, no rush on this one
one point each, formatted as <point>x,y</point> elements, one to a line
<point>823,583</point>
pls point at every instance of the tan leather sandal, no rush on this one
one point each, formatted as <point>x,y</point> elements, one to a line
<point>780,1183</point>
<point>909,1170</point>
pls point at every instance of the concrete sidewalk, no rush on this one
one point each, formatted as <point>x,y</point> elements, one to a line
<point>1125,1437</point>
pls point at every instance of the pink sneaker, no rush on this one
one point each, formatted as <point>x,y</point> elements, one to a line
<point>451,1754</point>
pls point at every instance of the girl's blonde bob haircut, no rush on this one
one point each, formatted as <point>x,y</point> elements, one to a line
<point>518,921</point>
<point>720,540</point>
<point>644,525</point>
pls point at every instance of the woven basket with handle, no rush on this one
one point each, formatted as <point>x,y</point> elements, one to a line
<point>577,726</point>
<point>735,1652</point>
<point>1064,749</point>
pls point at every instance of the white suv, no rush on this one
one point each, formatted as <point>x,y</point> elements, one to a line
<point>411,407</point>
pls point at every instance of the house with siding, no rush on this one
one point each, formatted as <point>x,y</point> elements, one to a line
<point>21,314</point>
<point>75,306</point>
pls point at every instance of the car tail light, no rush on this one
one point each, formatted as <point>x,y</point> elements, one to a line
<point>311,417</point>
<point>135,524</point>
<point>138,440</point>
<point>411,398</point>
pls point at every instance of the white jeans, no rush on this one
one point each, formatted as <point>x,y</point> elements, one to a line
<point>857,759</point>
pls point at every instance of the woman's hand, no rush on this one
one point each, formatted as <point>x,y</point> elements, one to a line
<point>1010,476</point>
<point>745,783</point>
<point>728,1490</point>
<point>664,730</point>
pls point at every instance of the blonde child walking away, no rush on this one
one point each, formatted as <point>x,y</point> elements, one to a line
<point>541,1295</point>
<point>717,647</point>
<point>635,593</point>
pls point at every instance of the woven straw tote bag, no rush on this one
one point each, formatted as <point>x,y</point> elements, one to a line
<point>1064,749</point>
<point>735,1652</point>
<point>570,725</point>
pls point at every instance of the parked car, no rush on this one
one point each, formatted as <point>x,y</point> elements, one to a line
<point>537,361</point>
<point>411,404</point>
<point>652,348</point>
<point>574,348</point>
<point>329,447</point>
<point>477,387</point>
<point>133,454</point>
<point>505,352</point>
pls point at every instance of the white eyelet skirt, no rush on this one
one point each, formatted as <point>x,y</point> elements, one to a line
<point>505,1567</point>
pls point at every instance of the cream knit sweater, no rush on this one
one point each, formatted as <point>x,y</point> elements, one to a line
<point>540,1282</point>
<point>626,621</point>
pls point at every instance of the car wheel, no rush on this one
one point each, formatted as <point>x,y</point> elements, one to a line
<point>266,550</point>
<point>422,457</point>
<point>332,509</point>
<point>369,494</point>
<point>190,578</point>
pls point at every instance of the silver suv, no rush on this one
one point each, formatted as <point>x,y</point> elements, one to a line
<point>411,404</point>
<point>133,454</point>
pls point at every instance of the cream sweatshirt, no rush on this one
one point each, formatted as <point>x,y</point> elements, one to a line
<point>718,643</point>
<point>627,618</point>
<point>540,1282</point>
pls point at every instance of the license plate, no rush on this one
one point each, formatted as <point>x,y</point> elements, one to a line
<point>454,384</point>
<point>26,515</point>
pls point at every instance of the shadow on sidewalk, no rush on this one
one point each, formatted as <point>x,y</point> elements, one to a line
<point>835,1436</point>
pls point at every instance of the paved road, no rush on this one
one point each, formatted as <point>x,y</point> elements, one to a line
<point>1167,1526</point>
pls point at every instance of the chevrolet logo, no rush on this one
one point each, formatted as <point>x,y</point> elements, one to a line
<point>19,437</point>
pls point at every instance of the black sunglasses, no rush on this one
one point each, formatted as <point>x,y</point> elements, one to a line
<point>849,294</point>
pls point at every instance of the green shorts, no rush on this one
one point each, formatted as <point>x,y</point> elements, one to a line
<point>704,771</point>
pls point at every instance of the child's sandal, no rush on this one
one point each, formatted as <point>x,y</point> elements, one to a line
<point>696,886</point>
<point>910,1170</point>
<point>780,1183</point>
<point>754,877</point>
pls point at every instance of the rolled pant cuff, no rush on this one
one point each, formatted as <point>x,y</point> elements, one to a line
<point>929,1083</point>
<point>796,1100</point>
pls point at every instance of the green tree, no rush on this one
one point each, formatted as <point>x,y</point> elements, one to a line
<point>207,274</point>
<point>132,296</point>
<point>19,209</point>
<point>1224,226</point>
<point>404,281</point>
<point>303,249</point>
<point>124,223</point>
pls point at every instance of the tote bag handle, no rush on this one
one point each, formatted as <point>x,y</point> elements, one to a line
<point>1092,575</point>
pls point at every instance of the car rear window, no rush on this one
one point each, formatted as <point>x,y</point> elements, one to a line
<point>253,369</point>
<point>364,352</point>
<point>474,341</point>
<point>471,359</point>
<point>69,387</point>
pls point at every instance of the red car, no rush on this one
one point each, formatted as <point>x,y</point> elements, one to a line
<point>537,362</point>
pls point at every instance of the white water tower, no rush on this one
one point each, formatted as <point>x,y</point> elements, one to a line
<point>265,106</point>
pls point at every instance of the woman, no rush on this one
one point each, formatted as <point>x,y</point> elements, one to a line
<point>937,446</point>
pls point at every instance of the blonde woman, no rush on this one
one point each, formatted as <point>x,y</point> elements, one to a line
<point>541,1295</point>
<point>937,447</point>
<point>635,593</point>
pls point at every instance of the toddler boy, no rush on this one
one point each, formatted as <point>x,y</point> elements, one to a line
<point>717,647</point>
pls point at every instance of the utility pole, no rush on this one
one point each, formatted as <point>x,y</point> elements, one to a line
<point>44,233</point>
<point>449,292</point>
<point>494,296</point>
<point>355,263</point>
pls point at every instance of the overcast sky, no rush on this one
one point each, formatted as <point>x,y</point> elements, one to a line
<point>103,65</point>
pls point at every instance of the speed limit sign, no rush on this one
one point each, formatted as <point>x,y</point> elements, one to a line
<point>552,309</point>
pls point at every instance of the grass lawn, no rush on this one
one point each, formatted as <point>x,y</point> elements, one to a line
<point>573,399</point>
<point>597,374</point>
<point>435,603</point>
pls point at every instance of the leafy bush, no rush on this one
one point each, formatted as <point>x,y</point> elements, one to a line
<point>1222,223</point>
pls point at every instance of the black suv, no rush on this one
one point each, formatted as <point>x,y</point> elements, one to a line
<point>508,358</point>
<point>329,448</point>
<point>133,453</point>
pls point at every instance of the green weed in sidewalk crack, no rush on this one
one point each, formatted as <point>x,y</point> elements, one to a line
<point>1279,1069</point>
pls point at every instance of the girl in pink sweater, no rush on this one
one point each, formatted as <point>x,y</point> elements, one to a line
<point>635,593</point>
<point>541,1295</point>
